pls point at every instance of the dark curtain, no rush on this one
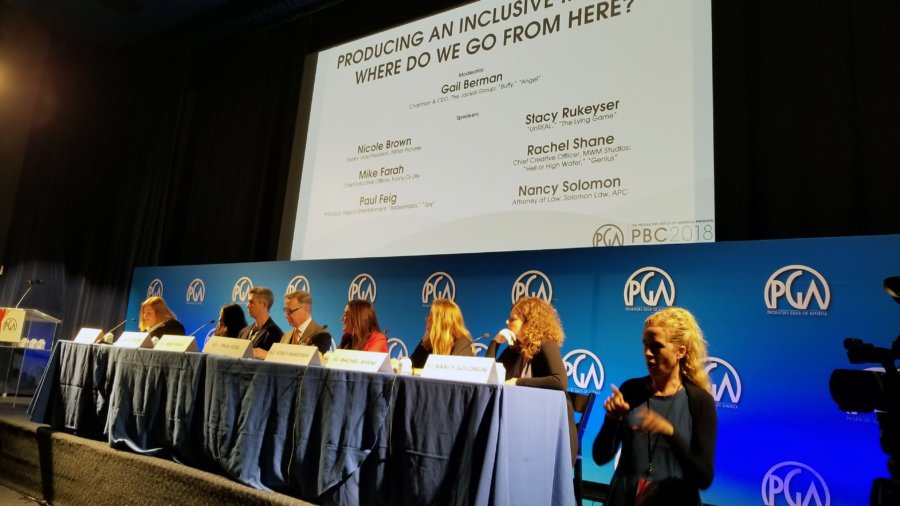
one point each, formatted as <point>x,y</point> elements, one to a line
<point>180,155</point>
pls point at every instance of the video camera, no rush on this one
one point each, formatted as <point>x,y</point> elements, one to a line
<point>867,391</point>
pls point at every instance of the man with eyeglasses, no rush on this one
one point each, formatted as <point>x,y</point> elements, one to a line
<point>298,311</point>
<point>263,332</point>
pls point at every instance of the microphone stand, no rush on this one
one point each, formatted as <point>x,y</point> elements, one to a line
<point>202,327</point>
<point>23,296</point>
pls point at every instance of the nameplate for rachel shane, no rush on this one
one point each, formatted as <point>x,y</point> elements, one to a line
<point>170,342</point>
<point>297,354</point>
<point>469,369</point>
<point>87,335</point>
<point>229,346</point>
<point>134,340</point>
<point>355,360</point>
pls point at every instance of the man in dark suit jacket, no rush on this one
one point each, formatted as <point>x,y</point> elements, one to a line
<point>298,310</point>
<point>263,332</point>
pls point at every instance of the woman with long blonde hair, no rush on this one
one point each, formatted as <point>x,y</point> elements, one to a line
<point>445,334</point>
<point>666,421</point>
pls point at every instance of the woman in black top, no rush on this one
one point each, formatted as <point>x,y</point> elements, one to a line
<point>534,358</point>
<point>665,422</point>
<point>158,320</point>
<point>445,334</point>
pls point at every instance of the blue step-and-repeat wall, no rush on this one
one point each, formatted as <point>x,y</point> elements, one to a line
<point>775,314</point>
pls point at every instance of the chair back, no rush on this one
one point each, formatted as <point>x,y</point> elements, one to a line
<point>582,404</point>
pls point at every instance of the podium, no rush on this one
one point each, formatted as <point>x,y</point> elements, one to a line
<point>26,338</point>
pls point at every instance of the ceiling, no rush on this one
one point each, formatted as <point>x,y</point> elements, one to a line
<point>119,23</point>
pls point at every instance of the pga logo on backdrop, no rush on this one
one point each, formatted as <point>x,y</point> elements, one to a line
<point>651,284</point>
<point>362,288</point>
<point>438,286</point>
<point>797,290</point>
<point>609,235</point>
<point>532,284</point>
<point>196,292</point>
<point>796,483</point>
<point>584,369</point>
<point>723,378</point>
<point>155,289</point>
<point>397,348</point>
<point>241,290</point>
<point>298,283</point>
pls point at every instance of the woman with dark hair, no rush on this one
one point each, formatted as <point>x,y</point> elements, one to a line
<point>361,330</point>
<point>533,358</point>
<point>445,334</point>
<point>665,421</point>
<point>158,320</point>
<point>231,321</point>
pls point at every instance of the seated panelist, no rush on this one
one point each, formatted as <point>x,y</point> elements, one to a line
<point>231,321</point>
<point>361,329</point>
<point>263,332</point>
<point>304,330</point>
<point>445,334</point>
<point>158,320</point>
<point>534,358</point>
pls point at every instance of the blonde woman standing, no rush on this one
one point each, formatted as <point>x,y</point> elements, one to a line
<point>666,421</point>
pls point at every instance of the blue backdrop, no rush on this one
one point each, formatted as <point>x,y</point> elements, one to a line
<point>775,314</point>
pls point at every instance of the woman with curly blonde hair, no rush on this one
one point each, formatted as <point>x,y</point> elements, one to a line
<point>533,357</point>
<point>665,422</point>
<point>445,334</point>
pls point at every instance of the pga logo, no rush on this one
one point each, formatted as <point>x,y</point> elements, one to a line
<point>438,286</point>
<point>609,235</point>
<point>532,284</point>
<point>797,483</point>
<point>10,324</point>
<point>585,369</point>
<point>362,288</point>
<point>397,348</point>
<point>799,285</point>
<point>480,349</point>
<point>241,290</point>
<point>155,289</point>
<point>651,284</point>
<point>196,292</point>
<point>723,379</point>
<point>298,283</point>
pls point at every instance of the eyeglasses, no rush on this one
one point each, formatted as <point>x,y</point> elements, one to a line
<point>289,312</point>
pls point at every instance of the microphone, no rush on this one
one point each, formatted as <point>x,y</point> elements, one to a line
<point>30,282</point>
<point>480,338</point>
<point>108,336</point>
<point>201,327</point>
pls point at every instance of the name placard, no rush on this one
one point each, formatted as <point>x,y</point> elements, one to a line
<point>469,369</point>
<point>87,335</point>
<point>176,343</point>
<point>297,354</point>
<point>134,340</point>
<point>363,361</point>
<point>229,346</point>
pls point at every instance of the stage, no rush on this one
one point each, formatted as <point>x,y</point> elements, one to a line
<point>63,469</point>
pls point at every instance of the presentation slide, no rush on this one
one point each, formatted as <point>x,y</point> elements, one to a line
<point>516,125</point>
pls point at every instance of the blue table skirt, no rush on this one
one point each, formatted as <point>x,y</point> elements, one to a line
<point>327,436</point>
